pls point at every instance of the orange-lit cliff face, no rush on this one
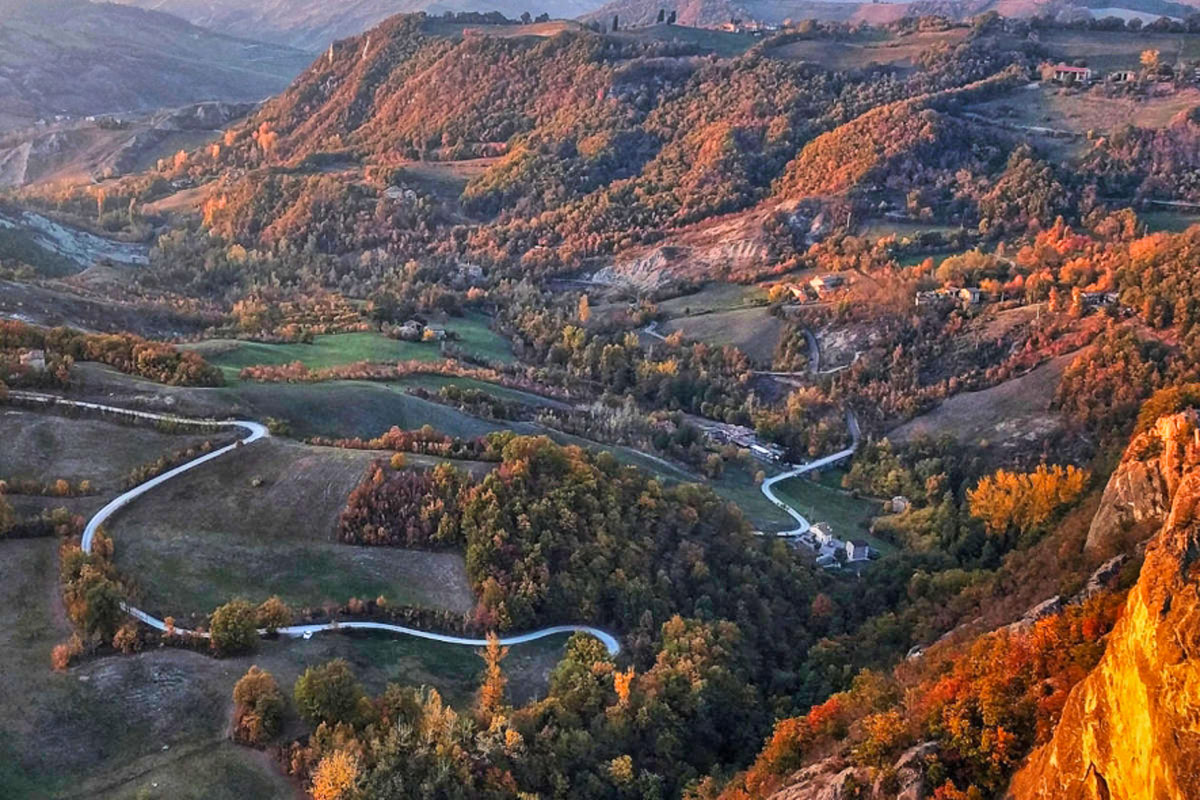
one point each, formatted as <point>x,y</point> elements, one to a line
<point>1131,729</point>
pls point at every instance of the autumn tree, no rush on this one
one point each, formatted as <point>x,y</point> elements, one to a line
<point>334,776</point>
<point>234,627</point>
<point>8,518</point>
<point>258,707</point>
<point>585,310</point>
<point>330,693</point>
<point>491,694</point>
<point>1025,501</point>
<point>273,614</point>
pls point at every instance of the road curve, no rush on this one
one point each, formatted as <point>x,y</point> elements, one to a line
<point>258,431</point>
<point>803,524</point>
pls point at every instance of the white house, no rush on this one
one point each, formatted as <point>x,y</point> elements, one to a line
<point>857,550</point>
<point>34,359</point>
<point>822,533</point>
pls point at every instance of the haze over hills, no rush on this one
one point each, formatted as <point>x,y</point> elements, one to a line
<point>713,13</point>
<point>313,24</point>
<point>71,57</point>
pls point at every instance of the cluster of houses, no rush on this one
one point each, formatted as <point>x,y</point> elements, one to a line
<point>822,286</point>
<point>967,296</point>
<point>831,551</point>
<point>1068,74</point>
<point>971,296</point>
<point>416,331</point>
<point>741,436</point>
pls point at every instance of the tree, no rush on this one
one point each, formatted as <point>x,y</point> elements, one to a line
<point>102,604</point>
<point>329,693</point>
<point>585,310</point>
<point>334,777</point>
<point>258,707</point>
<point>662,14</point>
<point>672,17</point>
<point>615,25</point>
<point>491,693</point>
<point>1150,61</point>
<point>234,627</point>
<point>398,461</point>
<point>273,614</point>
<point>8,518</point>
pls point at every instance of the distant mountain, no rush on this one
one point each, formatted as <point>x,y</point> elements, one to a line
<point>712,13</point>
<point>313,24</point>
<point>75,58</point>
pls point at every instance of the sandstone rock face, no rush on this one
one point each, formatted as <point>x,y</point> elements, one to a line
<point>1141,487</point>
<point>1131,729</point>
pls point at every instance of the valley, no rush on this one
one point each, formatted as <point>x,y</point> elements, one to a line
<point>792,401</point>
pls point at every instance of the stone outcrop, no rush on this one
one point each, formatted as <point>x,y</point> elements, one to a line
<point>835,779</point>
<point>1140,489</point>
<point>1131,729</point>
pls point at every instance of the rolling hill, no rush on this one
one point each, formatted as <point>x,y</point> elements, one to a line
<point>313,24</point>
<point>75,58</point>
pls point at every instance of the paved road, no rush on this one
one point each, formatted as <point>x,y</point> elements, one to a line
<point>803,524</point>
<point>257,431</point>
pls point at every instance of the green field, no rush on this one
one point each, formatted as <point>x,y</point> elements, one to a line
<point>263,521</point>
<point>1172,221</point>
<point>849,516</point>
<point>435,382</point>
<point>714,297</point>
<point>475,339</point>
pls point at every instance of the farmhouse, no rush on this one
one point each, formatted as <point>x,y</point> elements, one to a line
<point>823,284</point>
<point>767,452</point>
<point>857,550</point>
<point>970,296</point>
<point>823,534</point>
<point>34,360</point>
<point>1065,73</point>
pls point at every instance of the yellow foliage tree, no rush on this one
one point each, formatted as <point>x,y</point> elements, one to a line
<point>585,310</point>
<point>1025,500</point>
<point>334,777</point>
<point>491,693</point>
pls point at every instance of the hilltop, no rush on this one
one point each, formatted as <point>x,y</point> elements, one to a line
<point>74,58</point>
<point>313,24</point>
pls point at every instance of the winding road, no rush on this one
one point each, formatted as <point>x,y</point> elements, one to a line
<point>256,431</point>
<point>803,525</point>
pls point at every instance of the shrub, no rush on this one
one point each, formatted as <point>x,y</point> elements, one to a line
<point>274,614</point>
<point>234,628</point>
<point>258,707</point>
<point>329,693</point>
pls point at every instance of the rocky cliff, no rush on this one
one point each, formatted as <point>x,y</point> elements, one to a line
<point>1140,489</point>
<point>1131,729</point>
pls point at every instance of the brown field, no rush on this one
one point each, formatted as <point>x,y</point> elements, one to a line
<point>752,330</point>
<point>41,446</point>
<point>1012,412</point>
<point>155,724</point>
<point>211,534</point>
<point>898,52</point>
<point>61,303</point>
<point>1050,106</point>
<point>1108,50</point>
